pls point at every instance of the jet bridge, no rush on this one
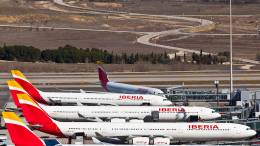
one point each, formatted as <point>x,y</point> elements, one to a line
<point>180,95</point>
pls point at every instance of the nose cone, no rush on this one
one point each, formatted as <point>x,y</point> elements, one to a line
<point>251,133</point>
<point>216,115</point>
<point>167,103</point>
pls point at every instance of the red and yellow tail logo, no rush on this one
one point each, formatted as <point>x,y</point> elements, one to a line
<point>19,75</point>
<point>27,86</point>
<point>20,134</point>
<point>26,99</point>
<point>15,89</point>
<point>35,115</point>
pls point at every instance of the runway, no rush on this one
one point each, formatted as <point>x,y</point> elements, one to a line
<point>158,79</point>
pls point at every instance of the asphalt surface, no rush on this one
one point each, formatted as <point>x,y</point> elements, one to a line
<point>158,79</point>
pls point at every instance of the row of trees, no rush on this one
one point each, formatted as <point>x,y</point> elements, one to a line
<point>70,54</point>
<point>210,59</point>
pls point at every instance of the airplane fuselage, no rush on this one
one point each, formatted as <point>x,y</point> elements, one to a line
<point>175,131</point>
<point>131,89</point>
<point>128,112</point>
<point>104,98</point>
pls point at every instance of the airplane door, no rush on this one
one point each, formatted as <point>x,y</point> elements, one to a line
<point>155,115</point>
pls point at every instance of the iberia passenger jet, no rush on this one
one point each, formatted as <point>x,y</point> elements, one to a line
<point>86,98</point>
<point>107,113</point>
<point>35,115</point>
<point>124,88</point>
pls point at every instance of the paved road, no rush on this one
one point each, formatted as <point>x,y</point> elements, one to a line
<point>146,39</point>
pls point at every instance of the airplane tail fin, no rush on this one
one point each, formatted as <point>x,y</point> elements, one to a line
<point>27,86</point>
<point>102,77</point>
<point>37,117</point>
<point>15,89</point>
<point>20,134</point>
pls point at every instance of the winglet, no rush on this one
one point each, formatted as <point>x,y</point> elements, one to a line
<point>20,134</point>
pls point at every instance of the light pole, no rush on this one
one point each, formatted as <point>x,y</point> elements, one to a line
<point>216,82</point>
<point>231,49</point>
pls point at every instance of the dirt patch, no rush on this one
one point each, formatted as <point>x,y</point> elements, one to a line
<point>28,18</point>
<point>243,46</point>
<point>47,39</point>
<point>107,5</point>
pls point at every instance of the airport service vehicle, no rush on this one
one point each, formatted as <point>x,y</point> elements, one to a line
<point>35,115</point>
<point>124,88</point>
<point>84,98</point>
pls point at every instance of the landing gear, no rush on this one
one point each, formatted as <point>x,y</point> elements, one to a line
<point>78,137</point>
<point>69,140</point>
<point>193,119</point>
<point>146,104</point>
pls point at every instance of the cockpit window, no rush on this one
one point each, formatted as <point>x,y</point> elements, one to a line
<point>165,99</point>
<point>213,111</point>
<point>247,128</point>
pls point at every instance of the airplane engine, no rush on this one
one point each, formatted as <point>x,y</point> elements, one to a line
<point>118,120</point>
<point>161,141</point>
<point>139,141</point>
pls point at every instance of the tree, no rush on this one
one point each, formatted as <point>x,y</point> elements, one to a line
<point>258,56</point>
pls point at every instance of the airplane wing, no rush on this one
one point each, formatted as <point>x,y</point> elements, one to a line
<point>54,101</point>
<point>95,119</point>
<point>97,141</point>
<point>109,140</point>
<point>81,91</point>
<point>79,103</point>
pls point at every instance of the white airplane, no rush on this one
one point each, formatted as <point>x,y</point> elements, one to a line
<point>160,132</point>
<point>111,113</point>
<point>124,88</point>
<point>108,113</point>
<point>84,98</point>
